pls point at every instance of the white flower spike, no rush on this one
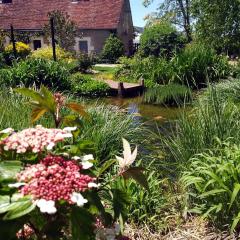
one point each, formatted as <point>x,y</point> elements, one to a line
<point>7,130</point>
<point>128,156</point>
<point>78,199</point>
<point>70,129</point>
<point>46,206</point>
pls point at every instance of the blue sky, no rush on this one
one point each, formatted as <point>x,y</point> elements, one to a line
<point>139,11</point>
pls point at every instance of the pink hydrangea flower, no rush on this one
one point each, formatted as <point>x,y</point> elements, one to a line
<point>34,139</point>
<point>54,179</point>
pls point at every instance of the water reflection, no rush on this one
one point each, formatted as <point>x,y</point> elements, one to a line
<point>146,112</point>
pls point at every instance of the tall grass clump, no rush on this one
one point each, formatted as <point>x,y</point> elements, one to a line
<point>108,125</point>
<point>171,94</point>
<point>227,90</point>
<point>195,131</point>
<point>213,185</point>
<point>197,64</point>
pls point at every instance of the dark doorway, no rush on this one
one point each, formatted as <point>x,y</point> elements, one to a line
<point>37,44</point>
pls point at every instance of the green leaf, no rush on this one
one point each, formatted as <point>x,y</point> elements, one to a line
<point>29,93</point>
<point>82,224</point>
<point>234,194</point>
<point>120,203</point>
<point>20,208</point>
<point>9,169</point>
<point>136,173</point>
<point>48,99</point>
<point>235,222</point>
<point>105,167</point>
<point>212,193</point>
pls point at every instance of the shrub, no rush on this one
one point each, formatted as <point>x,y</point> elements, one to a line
<point>84,62</point>
<point>195,66</point>
<point>213,184</point>
<point>2,61</point>
<point>22,51</point>
<point>113,49</point>
<point>47,53</point>
<point>37,72</point>
<point>86,85</point>
<point>199,64</point>
<point>171,94</point>
<point>160,39</point>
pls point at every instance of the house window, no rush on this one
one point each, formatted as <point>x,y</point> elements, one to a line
<point>37,44</point>
<point>5,1</point>
<point>83,46</point>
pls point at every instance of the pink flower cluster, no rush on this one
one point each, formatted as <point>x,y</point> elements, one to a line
<point>34,139</point>
<point>54,178</point>
<point>25,233</point>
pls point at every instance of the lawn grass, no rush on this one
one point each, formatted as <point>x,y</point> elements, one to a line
<point>104,73</point>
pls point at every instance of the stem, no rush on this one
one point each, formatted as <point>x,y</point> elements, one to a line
<point>36,231</point>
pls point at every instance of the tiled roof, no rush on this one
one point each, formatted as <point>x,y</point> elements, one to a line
<point>87,14</point>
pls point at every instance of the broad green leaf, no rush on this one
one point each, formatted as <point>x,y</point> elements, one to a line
<point>29,93</point>
<point>20,208</point>
<point>105,167</point>
<point>136,173</point>
<point>82,224</point>
<point>234,194</point>
<point>78,108</point>
<point>48,99</point>
<point>9,169</point>
<point>4,203</point>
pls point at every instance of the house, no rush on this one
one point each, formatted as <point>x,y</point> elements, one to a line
<point>96,20</point>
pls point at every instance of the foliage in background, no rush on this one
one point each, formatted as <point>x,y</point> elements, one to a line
<point>84,62</point>
<point>213,184</point>
<point>113,49</point>
<point>171,94</point>
<point>194,66</point>
<point>217,24</point>
<point>22,51</point>
<point>65,29</point>
<point>178,12</point>
<point>88,86</point>
<point>37,72</point>
<point>160,40</point>
<point>47,54</point>
<point>199,64</point>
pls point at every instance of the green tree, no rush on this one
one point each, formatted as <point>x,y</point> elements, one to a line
<point>113,49</point>
<point>160,39</point>
<point>177,12</point>
<point>218,23</point>
<point>65,29</point>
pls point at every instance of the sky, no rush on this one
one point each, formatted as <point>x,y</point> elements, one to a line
<point>139,11</point>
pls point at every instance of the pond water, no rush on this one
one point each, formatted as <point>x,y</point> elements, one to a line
<point>147,113</point>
